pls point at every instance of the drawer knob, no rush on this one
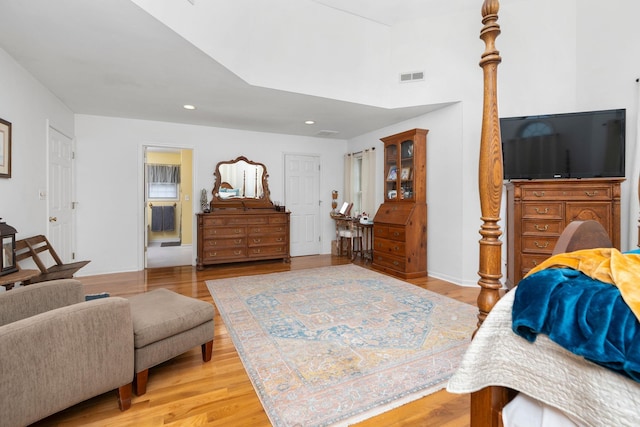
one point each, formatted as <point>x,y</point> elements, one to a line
<point>396,234</point>
<point>279,239</point>
<point>545,228</point>
<point>238,241</point>
<point>540,194</point>
<point>540,211</point>
<point>534,262</point>
<point>591,194</point>
<point>396,263</point>
<point>238,230</point>
<point>541,246</point>
<point>237,252</point>
<point>257,240</point>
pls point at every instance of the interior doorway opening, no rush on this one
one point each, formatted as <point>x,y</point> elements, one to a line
<point>168,206</point>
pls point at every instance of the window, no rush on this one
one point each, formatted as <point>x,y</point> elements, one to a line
<point>163,181</point>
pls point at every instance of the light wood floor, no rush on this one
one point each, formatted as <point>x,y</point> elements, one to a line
<point>187,392</point>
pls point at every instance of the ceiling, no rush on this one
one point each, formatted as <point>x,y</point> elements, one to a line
<point>111,58</point>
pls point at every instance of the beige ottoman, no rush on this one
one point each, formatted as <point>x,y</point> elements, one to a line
<point>165,325</point>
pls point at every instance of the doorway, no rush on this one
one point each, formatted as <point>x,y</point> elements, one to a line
<point>168,206</point>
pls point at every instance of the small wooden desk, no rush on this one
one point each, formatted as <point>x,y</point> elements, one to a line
<point>365,231</point>
<point>20,276</point>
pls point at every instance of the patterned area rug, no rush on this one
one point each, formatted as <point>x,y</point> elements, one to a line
<point>336,345</point>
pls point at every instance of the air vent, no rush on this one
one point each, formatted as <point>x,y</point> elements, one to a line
<point>412,77</point>
<point>327,133</point>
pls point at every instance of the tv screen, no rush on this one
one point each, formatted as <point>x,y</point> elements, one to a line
<point>573,145</point>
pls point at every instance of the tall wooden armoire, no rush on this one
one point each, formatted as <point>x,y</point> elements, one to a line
<point>400,225</point>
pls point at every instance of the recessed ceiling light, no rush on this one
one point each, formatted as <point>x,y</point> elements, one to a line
<point>189,107</point>
<point>309,122</point>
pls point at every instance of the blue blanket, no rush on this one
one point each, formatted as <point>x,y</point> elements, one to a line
<point>583,315</point>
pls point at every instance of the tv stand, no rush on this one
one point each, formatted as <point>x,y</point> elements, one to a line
<point>538,211</point>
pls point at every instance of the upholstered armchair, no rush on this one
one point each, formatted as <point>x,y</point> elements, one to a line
<point>56,350</point>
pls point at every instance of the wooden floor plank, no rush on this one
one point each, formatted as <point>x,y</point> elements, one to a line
<point>187,392</point>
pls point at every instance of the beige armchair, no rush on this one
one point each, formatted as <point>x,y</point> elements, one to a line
<point>57,350</point>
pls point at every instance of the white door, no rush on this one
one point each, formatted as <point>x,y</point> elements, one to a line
<point>60,203</point>
<point>302,198</point>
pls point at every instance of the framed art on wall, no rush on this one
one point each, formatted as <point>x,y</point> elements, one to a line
<point>5,149</point>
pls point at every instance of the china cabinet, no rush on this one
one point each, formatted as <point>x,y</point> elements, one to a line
<point>400,224</point>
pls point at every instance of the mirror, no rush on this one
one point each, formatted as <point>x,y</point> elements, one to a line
<point>241,183</point>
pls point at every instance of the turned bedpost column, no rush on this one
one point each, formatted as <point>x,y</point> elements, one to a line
<point>490,168</point>
<point>486,404</point>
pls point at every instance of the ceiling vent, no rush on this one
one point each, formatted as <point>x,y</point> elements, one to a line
<point>327,133</point>
<point>416,76</point>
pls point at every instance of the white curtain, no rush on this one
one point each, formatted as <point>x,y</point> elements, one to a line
<point>369,182</point>
<point>348,186</point>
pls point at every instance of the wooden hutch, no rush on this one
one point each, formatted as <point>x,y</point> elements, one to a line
<point>400,225</point>
<point>243,224</point>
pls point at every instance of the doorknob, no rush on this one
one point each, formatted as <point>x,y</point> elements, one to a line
<point>53,219</point>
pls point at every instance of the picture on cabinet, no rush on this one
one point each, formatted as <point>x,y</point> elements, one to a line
<point>406,174</point>
<point>393,173</point>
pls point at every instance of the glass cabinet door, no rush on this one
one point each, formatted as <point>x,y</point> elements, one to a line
<point>405,174</point>
<point>391,172</point>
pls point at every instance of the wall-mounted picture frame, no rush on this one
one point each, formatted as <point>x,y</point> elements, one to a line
<point>5,149</point>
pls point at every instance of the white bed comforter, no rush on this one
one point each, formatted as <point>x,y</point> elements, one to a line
<point>547,372</point>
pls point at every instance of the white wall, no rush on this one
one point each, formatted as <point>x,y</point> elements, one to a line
<point>110,178</point>
<point>30,108</point>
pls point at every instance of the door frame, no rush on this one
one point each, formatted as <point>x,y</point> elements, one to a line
<point>142,196</point>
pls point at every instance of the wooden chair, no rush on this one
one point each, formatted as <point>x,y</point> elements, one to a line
<point>31,247</point>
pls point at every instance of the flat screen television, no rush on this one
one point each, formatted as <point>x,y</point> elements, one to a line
<point>588,144</point>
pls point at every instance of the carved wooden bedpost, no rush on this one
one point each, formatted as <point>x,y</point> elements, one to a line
<point>490,167</point>
<point>486,404</point>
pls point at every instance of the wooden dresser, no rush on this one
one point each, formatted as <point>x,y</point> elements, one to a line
<point>400,224</point>
<point>234,235</point>
<point>538,211</point>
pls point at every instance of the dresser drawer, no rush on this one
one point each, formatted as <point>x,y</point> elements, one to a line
<point>213,221</point>
<point>386,260</point>
<point>542,226</point>
<point>213,254</point>
<point>278,219</point>
<point>224,232</point>
<point>267,240</point>
<point>392,247</point>
<point>575,192</point>
<point>260,251</point>
<point>266,229</point>
<point>222,243</point>
<point>542,210</point>
<point>529,261</point>
<point>389,232</point>
<point>538,244</point>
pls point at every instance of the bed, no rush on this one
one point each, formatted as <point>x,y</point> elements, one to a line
<point>499,363</point>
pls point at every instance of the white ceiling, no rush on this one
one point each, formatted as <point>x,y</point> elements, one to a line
<point>111,58</point>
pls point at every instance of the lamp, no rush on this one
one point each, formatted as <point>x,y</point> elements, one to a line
<point>8,240</point>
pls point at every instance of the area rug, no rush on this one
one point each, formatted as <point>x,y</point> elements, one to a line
<point>337,345</point>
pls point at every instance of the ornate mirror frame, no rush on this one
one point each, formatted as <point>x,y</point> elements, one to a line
<point>241,183</point>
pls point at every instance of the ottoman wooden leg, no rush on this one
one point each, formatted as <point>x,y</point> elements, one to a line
<point>124,397</point>
<point>207,349</point>
<point>140,382</point>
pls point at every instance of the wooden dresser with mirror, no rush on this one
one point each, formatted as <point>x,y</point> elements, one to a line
<point>243,224</point>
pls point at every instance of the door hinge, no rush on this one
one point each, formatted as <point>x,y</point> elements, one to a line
<point>73,155</point>
<point>73,255</point>
<point>74,205</point>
